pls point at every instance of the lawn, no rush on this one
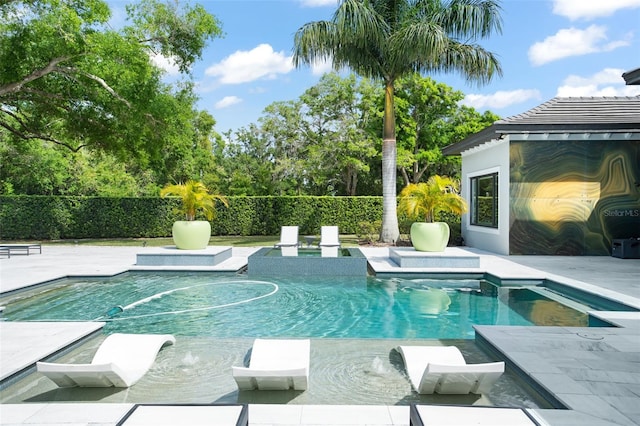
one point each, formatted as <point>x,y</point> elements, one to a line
<point>232,240</point>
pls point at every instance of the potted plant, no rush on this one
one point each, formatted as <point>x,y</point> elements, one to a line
<point>191,234</point>
<point>425,201</point>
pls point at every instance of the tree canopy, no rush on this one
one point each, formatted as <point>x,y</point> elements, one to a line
<point>322,143</point>
<point>68,78</point>
<point>84,111</point>
<point>326,141</point>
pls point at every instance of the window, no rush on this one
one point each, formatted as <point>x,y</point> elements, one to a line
<point>484,200</point>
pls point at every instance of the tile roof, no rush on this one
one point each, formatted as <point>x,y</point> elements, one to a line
<point>591,110</point>
<point>619,114</point>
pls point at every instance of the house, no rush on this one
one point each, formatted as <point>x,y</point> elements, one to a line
<point>560,179</point>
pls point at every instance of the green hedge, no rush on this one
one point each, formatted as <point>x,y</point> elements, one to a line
<point>44,217</point>
<point>48,217</point>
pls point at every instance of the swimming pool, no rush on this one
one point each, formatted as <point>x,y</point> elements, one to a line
<point>238,306</point>
<point>354,322</point>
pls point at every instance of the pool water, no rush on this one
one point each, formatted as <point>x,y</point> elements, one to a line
<point>236,306</point>
<point>343,371</point>
<point>306,252</point>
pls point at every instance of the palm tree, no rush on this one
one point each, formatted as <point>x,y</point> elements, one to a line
<point>387,39</point>
<point>194,196</point>
<point>425,200</point>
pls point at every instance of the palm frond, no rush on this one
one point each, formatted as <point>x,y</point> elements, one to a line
<point>425,200</point>
<point>195,196</point>
<point>471,19</point>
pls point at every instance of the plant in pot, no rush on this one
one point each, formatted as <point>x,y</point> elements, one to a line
<point>425,200</point>
<point>192,234</point>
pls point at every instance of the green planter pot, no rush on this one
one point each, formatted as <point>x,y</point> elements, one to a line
<point>191,235</point>
<point>430,236</point>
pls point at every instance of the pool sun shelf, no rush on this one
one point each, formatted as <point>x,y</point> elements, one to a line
<point>452,257</point>
<point>171,256</point>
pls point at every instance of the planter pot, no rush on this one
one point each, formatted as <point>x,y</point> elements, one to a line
<point>191,235</point>
<point>429,236</point>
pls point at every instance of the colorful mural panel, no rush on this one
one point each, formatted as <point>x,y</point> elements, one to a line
<point>573,197</point>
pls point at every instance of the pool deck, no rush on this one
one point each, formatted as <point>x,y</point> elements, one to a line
<point>595,372</point>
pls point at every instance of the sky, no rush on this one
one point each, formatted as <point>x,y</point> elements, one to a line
<point>547,48</point>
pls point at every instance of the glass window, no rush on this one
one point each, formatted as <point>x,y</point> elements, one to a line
<point>484,200</point>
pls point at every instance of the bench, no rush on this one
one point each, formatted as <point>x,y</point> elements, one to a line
<point>10,249</point>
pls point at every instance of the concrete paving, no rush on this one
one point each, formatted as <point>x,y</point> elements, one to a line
<point>594,372</point>
<point>23,344</point>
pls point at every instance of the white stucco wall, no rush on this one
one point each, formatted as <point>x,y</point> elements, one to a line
<point>490,157</point>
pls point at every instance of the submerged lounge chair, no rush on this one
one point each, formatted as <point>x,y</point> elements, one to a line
<point>275,364</point>
<point>329,241</point>
<point>442,369</point>
<point>120,361</point>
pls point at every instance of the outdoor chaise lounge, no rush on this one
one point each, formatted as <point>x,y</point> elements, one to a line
<point>329,241</point>
<point>288,237</point>
<point>442,369</point>
<point>120,361</point>
<point>10,249</point>
<point>288,241</point>
<point>276,364</point>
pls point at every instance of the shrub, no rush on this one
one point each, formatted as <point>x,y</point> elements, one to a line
<point>55,217</point>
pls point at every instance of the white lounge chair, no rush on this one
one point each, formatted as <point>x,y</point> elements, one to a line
<point>288,237</point>
<point>276,364</point>
<point>442,369</point>
<point>120,361</point>
<point>329,241</point>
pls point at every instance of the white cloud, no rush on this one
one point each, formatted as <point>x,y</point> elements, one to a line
<point>227,101</point>
<point>607,75</point>
<point>595,90</point>
<point>572,42</point>
<point>500,99</point>
<point>246,66</point>
<point>322,67</point>
<point>318,3</point>
<point>589,9</point>
<point>608,82</point>
<point>166,64</point>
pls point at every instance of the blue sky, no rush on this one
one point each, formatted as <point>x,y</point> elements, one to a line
<point>547,48</point>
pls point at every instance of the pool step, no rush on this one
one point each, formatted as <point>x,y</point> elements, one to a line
<point>171,256</point>
<point>452,257</point>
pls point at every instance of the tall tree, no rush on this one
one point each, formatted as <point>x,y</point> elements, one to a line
<point>386,39</point>
<point>283,134</point>
<point>429,117</point>
<point>67,78</point>
<point>339,148</point>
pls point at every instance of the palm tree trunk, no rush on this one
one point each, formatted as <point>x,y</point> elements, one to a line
<point>390,231</point>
